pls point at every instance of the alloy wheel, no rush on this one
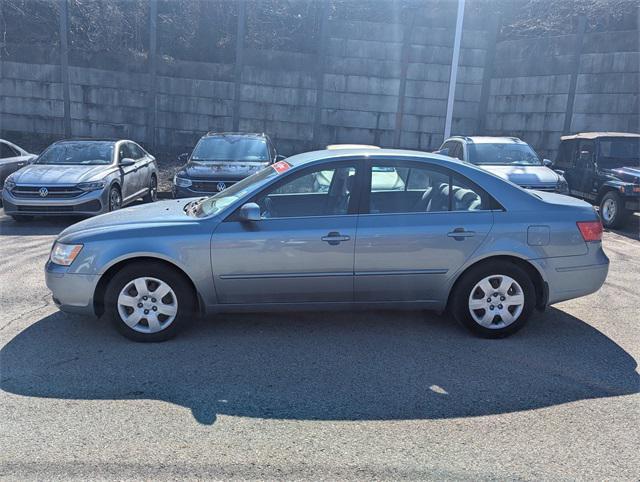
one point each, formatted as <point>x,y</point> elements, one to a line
<point>115,200</point>
<point>609,210</point>
<point>147,305</point>
<point>496,301</point>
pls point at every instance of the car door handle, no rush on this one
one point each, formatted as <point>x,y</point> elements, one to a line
<point>459,234</point>
<point>334,237</point>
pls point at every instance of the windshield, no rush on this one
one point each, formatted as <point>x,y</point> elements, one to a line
<point>221,200</point>
<point>503,154</point>
<point>619,152</point>
<point>231,148</point>
<point>80,153</point>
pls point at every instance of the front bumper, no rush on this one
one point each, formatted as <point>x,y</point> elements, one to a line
<point>71,292</point>
<point>201,188</point>
<point>87,204</point>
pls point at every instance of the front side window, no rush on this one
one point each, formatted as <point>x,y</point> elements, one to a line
<point>319,192</point>
<point>231,148</point>
<point>503,154</point>
<point>422,189</point>
<point>78,153</point>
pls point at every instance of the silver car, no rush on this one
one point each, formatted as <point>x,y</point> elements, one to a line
<point>507,157</point>
<point>443,235</point>
<point>81,177</point>
<point>12,158</point>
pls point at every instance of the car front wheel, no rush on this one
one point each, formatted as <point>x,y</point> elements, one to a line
<point>149,302</point>
<point>612,210</point>
<point>152,193</point>
<point>115,199</point>
<point>493,299</point>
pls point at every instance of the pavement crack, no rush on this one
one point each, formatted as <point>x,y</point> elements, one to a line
<point>46,299</point>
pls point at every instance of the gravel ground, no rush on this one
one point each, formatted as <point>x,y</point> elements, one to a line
<point>373,395</point>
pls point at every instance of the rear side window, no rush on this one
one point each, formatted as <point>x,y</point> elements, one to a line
<point>7,151</point>
<point>416,189</point>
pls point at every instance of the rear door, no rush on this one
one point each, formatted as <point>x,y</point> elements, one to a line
<point>412,238</point>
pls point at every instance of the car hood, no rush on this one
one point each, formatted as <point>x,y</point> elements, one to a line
<point>626,174</point>
<point>58,174</point>
<point>143,215</point>
<point>221,169</point>
<point>524,175</point>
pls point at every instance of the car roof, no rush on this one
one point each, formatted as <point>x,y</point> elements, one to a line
<point>261,135</point>
<point>372,152</point>
<point>335,147</point>
<point>595,135</point>
<point>488,139</point>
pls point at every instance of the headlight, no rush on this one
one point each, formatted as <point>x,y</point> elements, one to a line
<point>563,186</point>
<point>91,186</point>
<point>9,184</point>
<point>181,181</point>
<point>64,254</point>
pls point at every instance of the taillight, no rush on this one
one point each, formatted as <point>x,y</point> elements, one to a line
<point>590,230</point>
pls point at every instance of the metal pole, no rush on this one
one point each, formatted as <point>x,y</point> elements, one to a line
<point>454,69</point>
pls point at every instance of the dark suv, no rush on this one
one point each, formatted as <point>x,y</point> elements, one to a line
<point>219,160</point>
<point>604,169</point>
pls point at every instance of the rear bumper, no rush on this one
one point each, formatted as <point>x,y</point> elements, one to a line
<point>72,293</point>
<point>571,277</point>
<point>88,204</point>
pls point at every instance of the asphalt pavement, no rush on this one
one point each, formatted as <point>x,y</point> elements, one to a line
<point>353,395</point>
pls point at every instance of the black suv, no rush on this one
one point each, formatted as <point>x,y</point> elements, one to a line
<point>604,169</point>
<point>219,160</point>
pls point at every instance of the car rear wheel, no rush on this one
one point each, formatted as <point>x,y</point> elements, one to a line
<point>152,194</point>
<point>493,299</point>
<point>149,302</point>
<point>115,199</point>
<point>612,210</point>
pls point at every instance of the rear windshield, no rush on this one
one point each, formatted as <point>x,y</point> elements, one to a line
<point>230,148</point>
<point>80,153</point>
<point>619,152</point>
<point>503,154</point>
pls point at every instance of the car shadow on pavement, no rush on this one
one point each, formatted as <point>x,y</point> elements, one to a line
<point>631,229</point>
<point>323,366</point>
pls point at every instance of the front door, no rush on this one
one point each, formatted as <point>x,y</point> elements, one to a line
<point>423,224</point>
<point>130,174</point>
<point>302,250</point>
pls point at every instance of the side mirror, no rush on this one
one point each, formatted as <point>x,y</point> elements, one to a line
<point>250,212</point>
<point>280,157</point>
<point>547,162</point>
<point>127,162</point>
<point>184,157</point>
<point>443,152</point>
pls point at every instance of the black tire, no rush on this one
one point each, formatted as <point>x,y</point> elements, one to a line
<point>459,301</point>
<point>616,217</point>
<point>21,218</point>
<point>186,299</point>
<point>114,193</point>
<point>152,194</point>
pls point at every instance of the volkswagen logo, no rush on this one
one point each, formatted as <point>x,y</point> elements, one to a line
<point>221,186</point>
<point>44,192</point>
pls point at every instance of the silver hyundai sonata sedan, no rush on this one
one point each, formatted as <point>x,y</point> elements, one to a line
<point>347,229</point>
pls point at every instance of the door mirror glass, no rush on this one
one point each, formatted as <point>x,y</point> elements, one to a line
<point>547,162</point>
<point>184,157</point>
<point>249,212</point>
<point>127,161</point>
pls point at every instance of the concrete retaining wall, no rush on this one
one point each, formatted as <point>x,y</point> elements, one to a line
<point>364,82</point>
